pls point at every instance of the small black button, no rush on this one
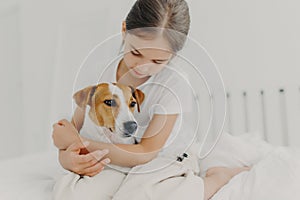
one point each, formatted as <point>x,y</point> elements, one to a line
<point>179,159</point>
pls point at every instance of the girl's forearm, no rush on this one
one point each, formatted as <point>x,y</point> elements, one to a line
<point>126,155</point>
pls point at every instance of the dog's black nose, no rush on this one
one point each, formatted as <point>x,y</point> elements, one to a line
<point>130,127</point>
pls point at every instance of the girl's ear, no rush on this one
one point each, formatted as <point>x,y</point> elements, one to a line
<point>84,97</point>
<point>123,29</point>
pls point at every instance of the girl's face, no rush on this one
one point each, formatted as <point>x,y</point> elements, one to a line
<point>145,57</point>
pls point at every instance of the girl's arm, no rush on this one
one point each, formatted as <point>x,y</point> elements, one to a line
<point>67,140</point>
<point>129,155</point>
<point>78,118</point>
<point>66,133</point>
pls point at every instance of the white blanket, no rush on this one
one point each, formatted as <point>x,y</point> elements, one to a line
<point>162,178</point>
<point>275,174</point>
<point>275,177</point>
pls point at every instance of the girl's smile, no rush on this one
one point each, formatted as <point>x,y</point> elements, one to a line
<point>137,73</point>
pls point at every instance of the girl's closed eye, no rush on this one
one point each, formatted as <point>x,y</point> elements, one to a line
<point>157,62</point>
<point>135,53</point>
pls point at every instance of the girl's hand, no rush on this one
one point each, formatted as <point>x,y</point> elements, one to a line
<point>64,134</point>
<point>87,165</point>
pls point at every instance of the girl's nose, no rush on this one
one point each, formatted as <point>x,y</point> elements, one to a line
<point>141,62</point>
<point>143,66</point>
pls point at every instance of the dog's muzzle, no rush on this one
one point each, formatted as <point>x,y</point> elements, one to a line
<point>130,127</point>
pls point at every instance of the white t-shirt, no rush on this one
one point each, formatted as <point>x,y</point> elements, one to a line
<point>167,92</point>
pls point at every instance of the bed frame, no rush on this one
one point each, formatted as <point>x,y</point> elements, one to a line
<point>274,112</point>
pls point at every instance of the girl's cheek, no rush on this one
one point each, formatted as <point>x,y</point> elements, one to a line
<point>127,62</point>
<point>155,70</point>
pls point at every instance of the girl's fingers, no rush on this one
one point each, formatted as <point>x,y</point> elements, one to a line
<point>95,155</point>
<point>90,160</point>
<point>95,173</point>
<point>63,122</point>
<point>91,169</point>
<point>55,126</point>
<point>66,124</point>
<point>89,164</point>
<point>94,169</point>
<point>86,158</point>
<point>106,161</point>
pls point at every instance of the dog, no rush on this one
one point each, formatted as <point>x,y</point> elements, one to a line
<point>110,115</point>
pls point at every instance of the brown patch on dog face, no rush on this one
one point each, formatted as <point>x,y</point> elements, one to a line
<point>105,107</point>
<point>127,96</point>
<point>132,96</point>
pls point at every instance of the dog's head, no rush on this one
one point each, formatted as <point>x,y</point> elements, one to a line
<point>111,106</point>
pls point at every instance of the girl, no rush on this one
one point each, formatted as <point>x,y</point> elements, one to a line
<point>153,32</point>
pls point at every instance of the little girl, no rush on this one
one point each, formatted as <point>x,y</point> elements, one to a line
<point>153,32</point>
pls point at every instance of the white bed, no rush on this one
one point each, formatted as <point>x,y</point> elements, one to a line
<point>29,177</point>
<point>275,172</point>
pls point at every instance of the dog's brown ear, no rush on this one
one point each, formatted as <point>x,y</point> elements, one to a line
<point>139,96</point>
<point>84,97</point>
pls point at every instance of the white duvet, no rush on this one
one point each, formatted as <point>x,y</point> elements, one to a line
<point>275,177</point>
<point>275,172</point>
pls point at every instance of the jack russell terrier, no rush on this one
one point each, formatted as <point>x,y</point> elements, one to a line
<point>110,114</point>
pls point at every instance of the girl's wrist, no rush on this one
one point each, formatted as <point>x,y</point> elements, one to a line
<point>66,146</point>
<point>84,150</point>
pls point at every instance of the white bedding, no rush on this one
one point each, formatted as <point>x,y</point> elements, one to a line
<point>30,177</point>
<point>275,173</point>
<point>275,177</point>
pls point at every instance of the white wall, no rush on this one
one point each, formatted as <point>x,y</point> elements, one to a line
<point>11,103</point>
<point>255,38</point>
<point>256,46</point>
<point>254,43</point>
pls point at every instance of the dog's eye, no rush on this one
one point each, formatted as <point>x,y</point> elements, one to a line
<point>132,104</point>
<point>110,102</point>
